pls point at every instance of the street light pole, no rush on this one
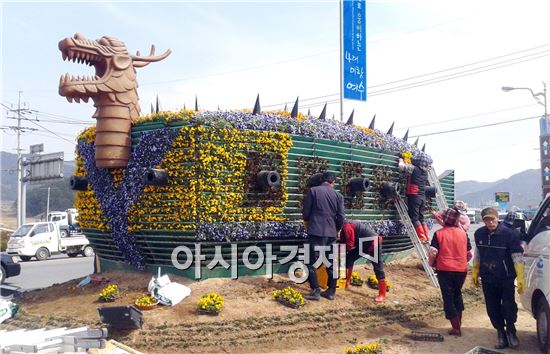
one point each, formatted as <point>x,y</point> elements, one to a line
<point>544,134</point>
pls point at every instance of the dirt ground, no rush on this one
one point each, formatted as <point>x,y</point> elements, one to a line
<point>252,322</point>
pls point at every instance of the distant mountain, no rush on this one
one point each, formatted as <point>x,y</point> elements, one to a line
<point>524,189</point>
<point>8,175</point>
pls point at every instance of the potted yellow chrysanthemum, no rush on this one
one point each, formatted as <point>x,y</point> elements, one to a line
<point>210,304</point>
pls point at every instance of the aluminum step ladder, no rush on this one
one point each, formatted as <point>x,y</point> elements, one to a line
<point>421,249</point>
<point>441,201</point>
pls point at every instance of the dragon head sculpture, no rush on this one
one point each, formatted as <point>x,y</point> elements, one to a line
<point>113,89</point>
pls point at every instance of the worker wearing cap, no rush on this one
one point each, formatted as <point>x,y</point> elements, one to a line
<point>498,259</point>
<point>463,220</point>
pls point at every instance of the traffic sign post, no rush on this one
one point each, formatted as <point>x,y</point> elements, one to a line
<point>545,163</point>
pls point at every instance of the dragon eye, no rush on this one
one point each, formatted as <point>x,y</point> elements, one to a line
<point>103,41</point>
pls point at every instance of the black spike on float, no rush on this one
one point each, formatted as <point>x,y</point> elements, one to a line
<point>371,125</point>
<point>256,109</point>
<point>218,107</point>
<point>158,105</point>
<point>350,119</point>
<point>184,108</point>
<point>390,131</point>
<point>294,112</point>
<point>285,107</point>
<point>424,148</point>
<point>323,113</point>
<point>196,104</point>
<point>152,109</point>
<point>416,142</point>
<point>333,116</point>
<point>406,137</point>
<point>308,112</point>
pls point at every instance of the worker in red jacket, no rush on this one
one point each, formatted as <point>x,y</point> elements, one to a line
<point>450,250</point>
<point>353,234</point>
<point>416,192</point>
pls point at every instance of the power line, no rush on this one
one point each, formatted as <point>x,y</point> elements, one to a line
<point>59,136</point>
<point>462,66</point>
<point>379,92</point>
<point>465,117</point>
<point>456,75</point>
<point>475,127</point>
<point>428,82</point>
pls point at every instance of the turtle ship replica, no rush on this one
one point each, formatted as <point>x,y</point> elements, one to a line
<point>220,181</point>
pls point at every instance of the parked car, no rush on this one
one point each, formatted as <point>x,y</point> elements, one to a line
<point>8,267</point>
<point>536,296</point>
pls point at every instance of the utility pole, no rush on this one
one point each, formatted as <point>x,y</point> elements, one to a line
<point>20,187</point>
<point>48,204</point>
<point>20,220</point>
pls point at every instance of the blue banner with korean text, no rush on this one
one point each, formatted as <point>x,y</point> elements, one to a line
<point>355,50</point>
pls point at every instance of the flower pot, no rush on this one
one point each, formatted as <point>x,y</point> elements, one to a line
<point>209,313</point>
<point>288,304</point>
<point>109,299</point>
<point>146,307</point>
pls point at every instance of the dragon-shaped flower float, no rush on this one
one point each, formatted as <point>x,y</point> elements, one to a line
<point>148,184</point>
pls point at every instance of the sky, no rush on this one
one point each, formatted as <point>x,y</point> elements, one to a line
<point>434,67</point>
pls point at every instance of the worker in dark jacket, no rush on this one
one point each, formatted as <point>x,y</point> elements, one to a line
<point>498,259</point>
<point>323,214</point>
<point>353,236</point>
<point>450,250</point>
<point>416,197</point>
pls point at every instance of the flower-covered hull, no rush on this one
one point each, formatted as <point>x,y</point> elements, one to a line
<point>213,196</point>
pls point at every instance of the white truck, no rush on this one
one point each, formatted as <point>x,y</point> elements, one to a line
<point>43,239</point>
<point>67,221</point>
<point>536,296</point>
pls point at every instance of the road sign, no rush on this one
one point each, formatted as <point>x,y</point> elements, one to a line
<point>37,148</point>
<point>545,147</point>
<point>44,168</point>
<point>502,197</point>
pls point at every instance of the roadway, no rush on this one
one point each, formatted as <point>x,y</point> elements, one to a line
<point>37,275</point>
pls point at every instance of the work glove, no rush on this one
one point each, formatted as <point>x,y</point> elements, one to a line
<point>475,274</point>
<point>520,279</point>
<point>306,224</point>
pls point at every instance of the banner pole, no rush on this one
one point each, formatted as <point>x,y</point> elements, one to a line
<point>341,66</point>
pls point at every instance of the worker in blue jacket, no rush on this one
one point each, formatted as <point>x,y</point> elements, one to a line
<point>498,260</point>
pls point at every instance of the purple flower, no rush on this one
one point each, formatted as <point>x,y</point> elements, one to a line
<point>117,202</point>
